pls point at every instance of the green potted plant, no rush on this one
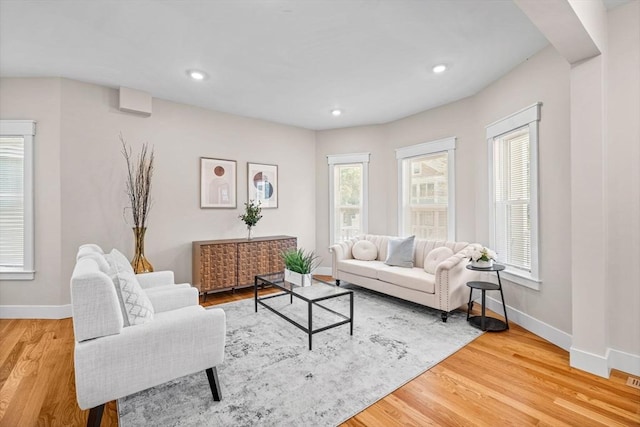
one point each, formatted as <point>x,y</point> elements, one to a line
<point>298,265</point>
<point>251,216</point>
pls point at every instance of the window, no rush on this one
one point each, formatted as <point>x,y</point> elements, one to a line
<point>426,190</point>
<point>348,184</point>
<point>513,152</point>
<point>16,200</point>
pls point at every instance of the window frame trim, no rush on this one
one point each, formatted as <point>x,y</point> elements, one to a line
<point>345,159</point>
<point>528,116</point>
<point>27,130</point>
<point>447,145</point>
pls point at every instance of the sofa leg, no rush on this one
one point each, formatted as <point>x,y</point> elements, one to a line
<point>95,416</point>
<point>337,282</point>
<point>214,383</point>
<point>444,315</point>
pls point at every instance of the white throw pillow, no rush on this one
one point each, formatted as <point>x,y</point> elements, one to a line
<point>400,252</point>
<point>364,250</point>
<point>134,302</point>
<point>435,257</point>
<point>119,262</point>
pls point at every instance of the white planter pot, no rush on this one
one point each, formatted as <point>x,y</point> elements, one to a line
<point>297,278</point>
<point>482,264</point>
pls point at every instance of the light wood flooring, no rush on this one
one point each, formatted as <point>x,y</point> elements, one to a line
<point>500,379</point>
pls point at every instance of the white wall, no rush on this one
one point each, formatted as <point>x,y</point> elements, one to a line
<point>623,184</point>
<point>39,99</point>
<point>80,171</point>
<point>548,77</point>
<point>365,139</point>
<point>457,120</point>
<point>603,50</point>
<point>381,141</point>
<point>85,175</point>
<point>544,77</point>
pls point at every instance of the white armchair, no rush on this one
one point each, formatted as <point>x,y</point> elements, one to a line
<point>170,335</point>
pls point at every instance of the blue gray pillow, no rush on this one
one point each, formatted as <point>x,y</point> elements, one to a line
<point>400,252</point>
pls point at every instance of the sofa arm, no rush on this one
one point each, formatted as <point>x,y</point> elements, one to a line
<point>94,302</point>
<point>156,278</point>
<point>340,251</point>
<point>168,298</point>
<point>173,345</point>
<point>452,276</point>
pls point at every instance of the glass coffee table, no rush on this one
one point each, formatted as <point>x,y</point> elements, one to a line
<point>312,295</point>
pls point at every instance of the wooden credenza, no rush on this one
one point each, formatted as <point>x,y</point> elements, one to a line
<point>220,265</point>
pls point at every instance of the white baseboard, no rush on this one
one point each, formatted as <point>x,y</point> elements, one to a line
<point>544,330</point>
<point>625,362</point>
<point>589,362</point>
<point>586,361</point>
<point>35,311</point>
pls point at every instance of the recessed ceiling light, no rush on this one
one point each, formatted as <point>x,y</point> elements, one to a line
<point>336,112</point>
<point>197,74</point>
<point>439,68</point>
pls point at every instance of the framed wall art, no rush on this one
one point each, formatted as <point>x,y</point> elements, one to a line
<point>217,183</point>
<point>262,183</point>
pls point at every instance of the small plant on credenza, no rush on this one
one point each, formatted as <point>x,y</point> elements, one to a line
<point>251,216</point>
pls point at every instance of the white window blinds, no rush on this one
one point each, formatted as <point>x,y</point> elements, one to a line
<point>512,148</point>
<point>17,237</point>
<point>12,202</point>
<point>512,183</point>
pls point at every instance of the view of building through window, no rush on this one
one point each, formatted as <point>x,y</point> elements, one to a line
<point>425,197</point>
<point>348,194</point>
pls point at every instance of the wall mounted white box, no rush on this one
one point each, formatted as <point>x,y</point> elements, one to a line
<point>135,101</point>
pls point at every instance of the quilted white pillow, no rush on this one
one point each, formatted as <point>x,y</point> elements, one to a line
<point>134,302</point>
<point>435,257</point>
<point>364,250</point>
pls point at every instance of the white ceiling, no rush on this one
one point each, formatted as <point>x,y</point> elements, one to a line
<point>288,61</point>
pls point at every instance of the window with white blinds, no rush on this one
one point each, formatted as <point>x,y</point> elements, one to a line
<point>512,181</point>
<point>513,143</point>
<point>16,199</point>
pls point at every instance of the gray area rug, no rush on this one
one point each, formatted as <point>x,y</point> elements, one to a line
<point>270,378</point>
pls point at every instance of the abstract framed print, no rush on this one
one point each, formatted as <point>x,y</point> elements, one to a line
<point>218,179</point>
<point>262,184</point>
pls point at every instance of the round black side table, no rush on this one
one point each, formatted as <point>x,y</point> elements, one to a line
<point>483,322</point>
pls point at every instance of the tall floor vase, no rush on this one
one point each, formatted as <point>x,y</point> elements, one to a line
<point>139,263</point>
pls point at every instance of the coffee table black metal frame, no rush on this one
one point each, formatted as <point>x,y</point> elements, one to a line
<point>300,292</point>
<point>483,322</point>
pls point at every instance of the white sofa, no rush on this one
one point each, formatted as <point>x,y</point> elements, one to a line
<point>445,290</point>
<point>170,334</point>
